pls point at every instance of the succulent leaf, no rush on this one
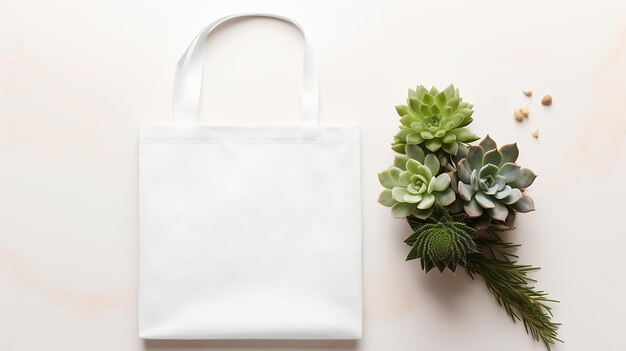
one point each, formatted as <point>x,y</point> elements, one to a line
<point>475,157</point>
<point>472,208</point>
<point>506,191</point>
<point>493,157</point>
<point>398,146</point>
<point>509,152</point>
<point>510,171</point>
<point>385,198</point>
<point>432,163</point>
<point>498,211</point>
<point>525,204</point>
<point>525,178</point>
<point>488,144</point>
<point>445,197</point>
<point>427,201</point>
<point>415,152</point>
<point>422,214</point>
<point>441,182</point>
<point>405,178</point>
<point>401,210</point>
<point>433,144</point>
<point>403,110</point>
<point>465,191</point>
<point>488,170</point>
<point>397,193</point>
<point>400,162</point>
<point>464,170</point>
<point>389,178</point>
<point>514,196</point>
<point>452,148</point>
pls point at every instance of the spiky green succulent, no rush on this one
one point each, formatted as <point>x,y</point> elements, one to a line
<point>490,183</point>
<point>413,185</point>
<point>440,241</point>
<point>435,119</point>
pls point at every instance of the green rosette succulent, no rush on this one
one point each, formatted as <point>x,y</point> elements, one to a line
<point>413,185</point>
<point>440,241</point>
<point>435,119</point>
<point>490,183</point>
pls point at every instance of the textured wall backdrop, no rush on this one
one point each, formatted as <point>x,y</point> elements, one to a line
<point>78,78</point>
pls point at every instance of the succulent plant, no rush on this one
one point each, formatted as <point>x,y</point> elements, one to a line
<point>413,185</point>
<point>440,241</point>
<point>458,198</point>
<point>435,119</point>
<point>491,185</point>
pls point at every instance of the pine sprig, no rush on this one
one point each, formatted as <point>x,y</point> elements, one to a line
<point>493,246</point>
<point>509,283</point>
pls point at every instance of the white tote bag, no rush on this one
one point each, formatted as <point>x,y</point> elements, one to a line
<point>248,232</point>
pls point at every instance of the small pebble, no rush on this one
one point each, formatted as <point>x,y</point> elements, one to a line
<point>528,93</point>
<point>518,114</point>
<point>535,133</point>
<point>524,111</point>
<point>546,100</point>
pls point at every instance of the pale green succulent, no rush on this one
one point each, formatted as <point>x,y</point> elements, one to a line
<point>435,119</point>
<point>413,185</point>
<point>491,184</point>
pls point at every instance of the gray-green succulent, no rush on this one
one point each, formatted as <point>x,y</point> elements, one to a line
<point>435,119</point>
<point>413,185</point>
<point>490,183</point>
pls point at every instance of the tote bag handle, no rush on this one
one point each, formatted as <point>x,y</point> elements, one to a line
<point>190,68</point>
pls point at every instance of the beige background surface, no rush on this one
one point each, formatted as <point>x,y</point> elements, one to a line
<point>78,78</point>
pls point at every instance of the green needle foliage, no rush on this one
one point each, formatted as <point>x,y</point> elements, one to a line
<point>510,285</point>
